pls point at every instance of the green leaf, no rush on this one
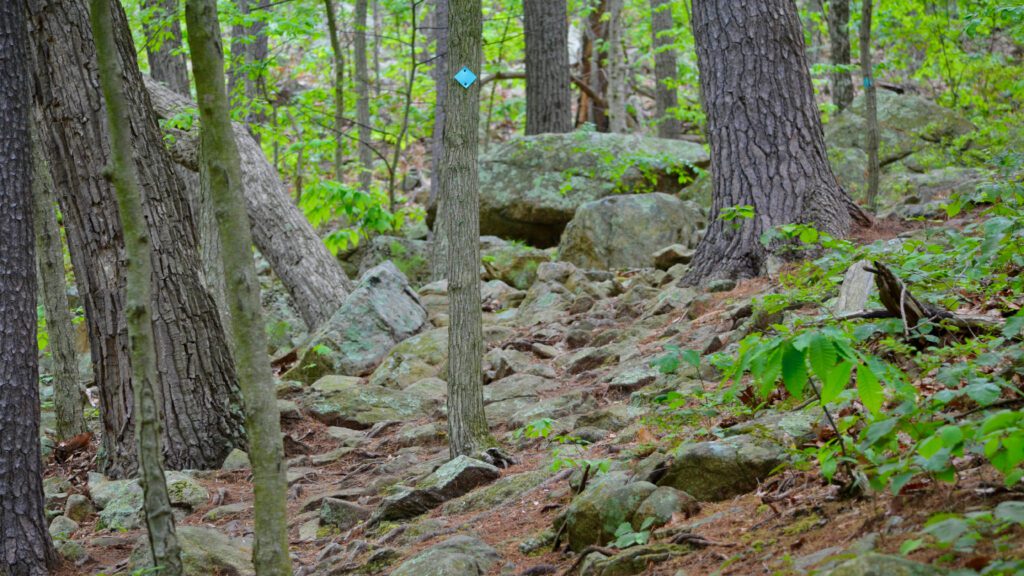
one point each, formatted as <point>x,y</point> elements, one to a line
<point>837,381</point>
<point>951,436</point>
<point>869,389</point>
<point>983,392</point>
<point>1010,511</point>
<point>794,370</point>
<point>822,355</point>
<point>949,530</point>
<point>1014,325</point>
<point>909,546</point>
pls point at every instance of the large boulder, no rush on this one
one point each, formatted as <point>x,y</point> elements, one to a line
<point>204,551</point>
<point>453,479</point>
<point>530,187</point>
<point>593,517</point>
<point>419,357</point>
<point>626,231</point>
<point>345,402</point>
<point>379,314</point>
<point>457,556</point>
<point>720,469</point>
<point>512,262</point>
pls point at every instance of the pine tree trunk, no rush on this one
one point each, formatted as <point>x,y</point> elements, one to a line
<point>870,104</point>
<point>263,422</point>
<point>163,45</point>
<point>363,97</point>
<point>249,49</point>
<point>839,38</point>
<point>139,272</point>
<point>666,72</point>
<point>67,395</point>
<point>767,144</point>
<point>339,88</point>
<point>198,389</point>
<point>439,237</point>
<point>25,545</point>
<point>314,279</point>
<point>548,92</point>
<point>617,121</point>
<point>467,426</point>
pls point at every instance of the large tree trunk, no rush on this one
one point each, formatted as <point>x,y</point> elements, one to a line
<point>249,50</point>
<point>595,74</point>
<point>163,45</point>
<point>439,237</point>
<point>263,423</point>
<point>67,395</point>
<point>870,104</point>
<point>548,93</point>
<point>25,545</point>
<point>767,144</point>
<point>839,38</point>
<point>467,426</point>
<point>314,279</point>
<point>363,97</point>
<point>616,58</point>
<point>666,73</point>
<point>198,390</point>
<point>163,539</point>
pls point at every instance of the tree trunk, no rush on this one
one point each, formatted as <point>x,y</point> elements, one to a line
<point>839,38</point>
<point>666,72</point>
<point>767,144</point>
<point>439,245</point>
<point>467,427</point>
<point>594,68</point>
<point>339,88</point>
<point>249,51</point>
<point>263,422</point>
<point>615,55</point>
<point>25,545</point>
<point>314,279</point>
<point>870,104</point>
<point>163,45</point>
<point>67,396</point>
<point>363,97</point>
<point>139,272</point>
<point>198,389</point>
<point>548,92</point>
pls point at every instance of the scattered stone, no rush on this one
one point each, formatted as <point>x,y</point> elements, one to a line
<point>673,255</point>
<point>62,528</point>
<point>184,491</point>
<point>360,406</point>
<point>635,560</point>
<point>544,351</point>
<point>411,257</point>
<point>873,564</point>
<point>79,508</point>
<point>237,460</point>
<point>419,357</point>
<point>453,479</point>
<point>721,285</point>
<point>457,556</point>
<point>594,515</point>
<point>72,551</point>
<point>494,495</point>
<point>222,512</point>
<point>720,469</point>
<point>342,514</point>
<point>662,504</point>
<point>625,231</point>
<point>204,551</point>
<point>513,263</point>
<point>380,313</point>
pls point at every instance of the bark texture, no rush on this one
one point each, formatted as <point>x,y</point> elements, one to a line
<point>67,396</point>
<point>163,45</point>
<point>314,279</point>
<point>339,88</point>
<point>767,144</point>
<point>223,164</point>
<point>249,51</point>
<point>594,64</point>
<point>156,503</point>
<point>548,93</point>
<point>666,72</point>
<point>616,58</point>
<point>25,546</point>
<point>363,97</point>
<point>460,183</point>
<point>870,104</point>
<point>439,244</point>
<point>839,38</point>
<point>198,389</point>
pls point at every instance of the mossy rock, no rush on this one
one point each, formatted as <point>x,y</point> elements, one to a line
<point>204,552</point>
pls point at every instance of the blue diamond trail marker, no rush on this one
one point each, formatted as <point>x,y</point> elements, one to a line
<point>465,77</point>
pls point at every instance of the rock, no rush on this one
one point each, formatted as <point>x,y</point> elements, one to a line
<point>625,231</point>
<point>855,290</point>
<point>670,256</point>
<point>594,515</point>
<point>184,491</point>
<point>615,417</point>
<point>457,556</point>
<point>721,285</point>
<point>720,469</point>
<point>662,504</point>
<point>285,327</point>
<point>204,551</point>
<point>342,514</point>
<point>79,508</point>
<point>496,295</point>
<point>382,312</point>
<point>221,512</point>
<point>72,551</point>
<point>453,479</point>
<point>62,528</point>
<point>513,263</point>
<point>288,410</point>
<point>419,357</point>
<point>635,560</point>
<point>632,378</point>
<point>236,460</point>
<point>359,406</point>
<point>120,502</point>
<point>530,187</point>
<point>57,486</point>
<point>873,564</point>
<point>494,495</point>
<point>411,257</point>
<point>907,192</point>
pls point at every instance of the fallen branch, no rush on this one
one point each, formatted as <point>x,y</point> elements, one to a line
<point>586,552</point>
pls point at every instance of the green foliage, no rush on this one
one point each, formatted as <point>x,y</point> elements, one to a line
<point>569,452</point>
<point>626,537</point>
